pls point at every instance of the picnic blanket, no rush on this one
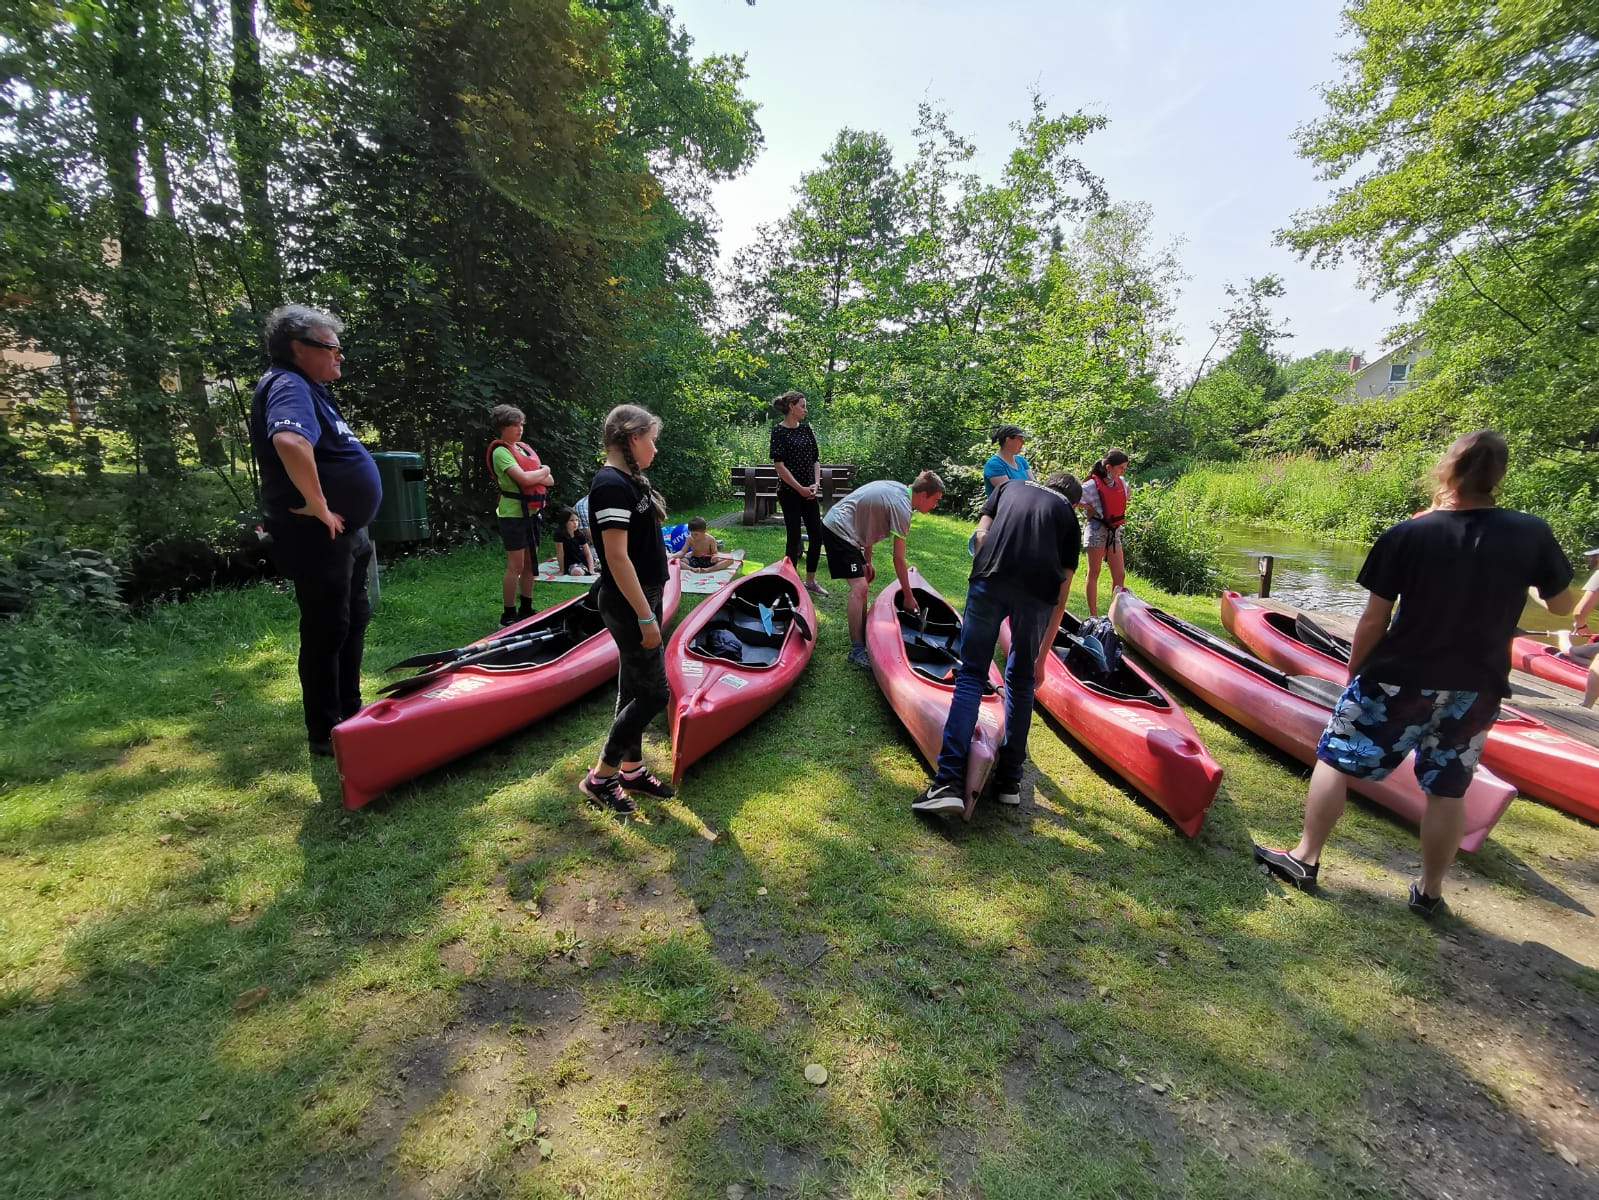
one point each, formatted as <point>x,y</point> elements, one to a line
<point>702,582</point>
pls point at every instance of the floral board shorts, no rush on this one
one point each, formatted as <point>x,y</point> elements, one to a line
<point>1376,724</point>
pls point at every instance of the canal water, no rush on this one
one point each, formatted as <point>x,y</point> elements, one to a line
<point>1315,573</point>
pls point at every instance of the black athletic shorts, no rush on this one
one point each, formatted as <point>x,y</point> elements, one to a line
<point>844,559</point>
<point>520,533</point>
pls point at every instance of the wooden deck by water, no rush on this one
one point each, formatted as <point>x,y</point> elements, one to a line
<point>1559,707</point>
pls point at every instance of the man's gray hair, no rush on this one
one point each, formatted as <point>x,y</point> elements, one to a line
<point>293,321</point>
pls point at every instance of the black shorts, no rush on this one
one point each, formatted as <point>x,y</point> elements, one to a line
<point>845,560</point>
<point>520,533</point>
<point>702,562</point>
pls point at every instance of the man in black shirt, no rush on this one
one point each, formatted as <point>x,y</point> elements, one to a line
<point>1028,544</point>
<point>1431,681</point>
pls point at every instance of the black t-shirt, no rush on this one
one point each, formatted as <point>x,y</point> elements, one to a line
<point>1461,579</point>
<point>574,542</point>
<point>795,449</point>
<point>616,502</point>
<point>1034,538</point>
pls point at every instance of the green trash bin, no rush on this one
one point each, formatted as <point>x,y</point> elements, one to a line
<point>403,514</point>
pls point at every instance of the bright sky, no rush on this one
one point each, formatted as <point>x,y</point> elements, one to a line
<point>1203,100</point>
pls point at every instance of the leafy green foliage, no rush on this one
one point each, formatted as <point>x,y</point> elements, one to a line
<point>1170,543</point>
<point>1460,142</point>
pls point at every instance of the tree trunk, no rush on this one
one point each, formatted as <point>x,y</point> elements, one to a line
<point>144,408</point>
<point>254,149</point>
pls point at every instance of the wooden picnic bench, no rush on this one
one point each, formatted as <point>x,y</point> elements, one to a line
<point>758,486</point>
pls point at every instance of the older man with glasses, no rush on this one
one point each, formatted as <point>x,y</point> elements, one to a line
<point>319,492</point>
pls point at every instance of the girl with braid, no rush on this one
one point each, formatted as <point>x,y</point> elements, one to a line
<point>626,513</point>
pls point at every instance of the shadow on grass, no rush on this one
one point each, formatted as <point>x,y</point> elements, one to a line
<point>1071,998</point>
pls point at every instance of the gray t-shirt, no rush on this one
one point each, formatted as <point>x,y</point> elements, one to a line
<point>1593,583</point>
<point>871,512</point>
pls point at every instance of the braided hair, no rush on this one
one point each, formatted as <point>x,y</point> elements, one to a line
<point>621,424</point>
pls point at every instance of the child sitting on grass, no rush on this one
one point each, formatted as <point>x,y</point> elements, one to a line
<point>572,553</point>
<point>699,553</point>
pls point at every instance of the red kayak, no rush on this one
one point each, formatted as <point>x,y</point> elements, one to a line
<point>1542,762</point>
<point>1289,711</point>
<point>1130,725</point>
<point>1532,656</point>
<point>735,656</point>
<point>498,685</point>
<point>915,666</point>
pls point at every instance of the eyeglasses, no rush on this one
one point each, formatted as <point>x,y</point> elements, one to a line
<point>333,346</point>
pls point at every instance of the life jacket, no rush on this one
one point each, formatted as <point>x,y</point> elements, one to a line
<point>533,499</point>
<point>1113,499</point>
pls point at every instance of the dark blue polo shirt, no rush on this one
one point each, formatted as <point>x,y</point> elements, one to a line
<point>286,399</point>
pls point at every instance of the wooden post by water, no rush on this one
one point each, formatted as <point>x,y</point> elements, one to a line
<point>1266,563</point>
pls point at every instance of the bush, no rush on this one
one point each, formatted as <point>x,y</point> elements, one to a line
<point>1168,544</point>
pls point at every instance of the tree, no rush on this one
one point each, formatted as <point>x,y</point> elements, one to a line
<point>1461,147</point>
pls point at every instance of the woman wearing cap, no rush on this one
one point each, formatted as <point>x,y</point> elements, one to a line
<point>1008,462</point>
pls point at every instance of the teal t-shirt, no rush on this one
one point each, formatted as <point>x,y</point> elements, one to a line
<point>998,466</point>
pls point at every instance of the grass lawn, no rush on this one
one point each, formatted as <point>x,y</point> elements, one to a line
<point>216,982</point>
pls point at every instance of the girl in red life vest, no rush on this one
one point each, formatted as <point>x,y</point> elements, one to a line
<point>523,483</point>
<point>1105,498</point>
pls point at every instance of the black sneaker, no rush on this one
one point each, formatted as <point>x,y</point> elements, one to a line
<point>1424,905</point>
<point>940,798</point>
<point>508,617</point>
<point>642,781</point>
<point>1287,868</point>
<point>606,792</point>
<point>321,749</point>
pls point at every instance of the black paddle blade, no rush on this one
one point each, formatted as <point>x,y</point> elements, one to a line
<point>430,658</point>
<point>404,687</point>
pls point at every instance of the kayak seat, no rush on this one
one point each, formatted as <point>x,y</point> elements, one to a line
<point>755,647</point>
<point>1119,683</point>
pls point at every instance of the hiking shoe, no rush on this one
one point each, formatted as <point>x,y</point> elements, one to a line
<point>642,781</point>
<point>1424,905</point>
<point>1287,868</point>
<point>859,658</point>
<point>817,589</point>
<point>606,792</point>
<point>940,798</point>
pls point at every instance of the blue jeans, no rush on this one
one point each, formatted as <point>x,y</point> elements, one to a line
<point>988,602</point>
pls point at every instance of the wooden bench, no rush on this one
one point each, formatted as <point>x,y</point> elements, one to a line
<point>758,486</point>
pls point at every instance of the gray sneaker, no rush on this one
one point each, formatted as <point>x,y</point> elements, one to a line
<point>858,658</point>
<point>940,798</point>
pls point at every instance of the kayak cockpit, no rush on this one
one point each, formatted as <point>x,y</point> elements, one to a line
<point>752,624</point>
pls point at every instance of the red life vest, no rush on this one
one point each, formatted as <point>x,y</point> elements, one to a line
<point>1112,498</point>
<point>532,499</point>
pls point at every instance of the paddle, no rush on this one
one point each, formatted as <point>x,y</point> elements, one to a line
<point>430,658</point>
<point>1317,638</point>
<point>404,687</point>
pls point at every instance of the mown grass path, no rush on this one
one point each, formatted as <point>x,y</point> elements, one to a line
<point>215,982</point>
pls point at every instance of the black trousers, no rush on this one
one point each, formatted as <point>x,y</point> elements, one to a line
<point>796,509</point>
<point>641,690</point>
<point>329,576</point>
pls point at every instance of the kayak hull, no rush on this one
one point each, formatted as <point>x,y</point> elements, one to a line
<point>1134,729</point>
<point>1291,723</point>
<point>1540,761</point>
<point>1532,656</point>
<point>398,738</point>
<point>712,698</point>
<point>921,703</point>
